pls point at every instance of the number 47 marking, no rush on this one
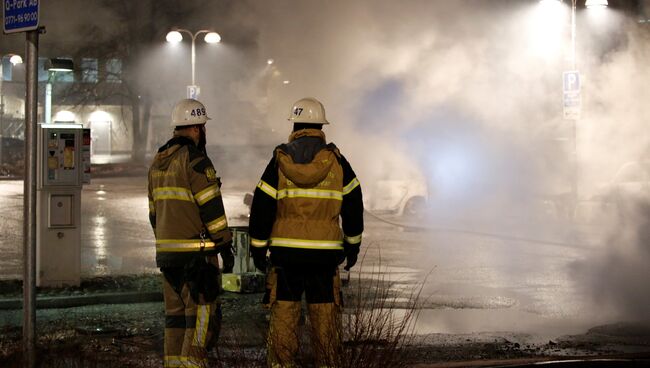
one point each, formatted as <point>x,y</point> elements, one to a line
<point>297,111</point>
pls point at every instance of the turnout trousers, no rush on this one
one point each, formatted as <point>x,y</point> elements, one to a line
<point>322,288</point>
<point>191,327</point>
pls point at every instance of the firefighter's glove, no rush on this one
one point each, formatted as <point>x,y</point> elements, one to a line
<point>202,277</point>
<point>259,259</point>
<point>228,258</point>
<point>351,254</point>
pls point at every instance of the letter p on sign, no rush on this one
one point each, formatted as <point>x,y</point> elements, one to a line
<point>571,81</point>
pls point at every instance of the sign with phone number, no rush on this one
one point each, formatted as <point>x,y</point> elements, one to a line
<point>20,15</point>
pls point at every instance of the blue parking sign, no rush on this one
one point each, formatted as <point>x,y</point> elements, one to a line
<point>20,15</point>
<point>193,92</point>
<point>571,81</point>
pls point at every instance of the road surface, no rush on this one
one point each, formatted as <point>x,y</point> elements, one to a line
<point>473,279</point>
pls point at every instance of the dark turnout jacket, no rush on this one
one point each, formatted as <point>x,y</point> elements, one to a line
<point>185,205</point>
<point>308,204</point>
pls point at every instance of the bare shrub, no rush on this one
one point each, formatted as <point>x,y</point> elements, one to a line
<point>378,324</point>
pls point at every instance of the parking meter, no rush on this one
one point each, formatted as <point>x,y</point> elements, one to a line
<point>60,174</point>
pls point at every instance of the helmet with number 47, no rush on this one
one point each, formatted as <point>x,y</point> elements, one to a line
<point>189,112</point>
<point>308,110</point>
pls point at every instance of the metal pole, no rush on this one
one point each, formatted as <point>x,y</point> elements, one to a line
<point>29,194</point>
<point>2,110</point>
<point>193,57</point>
<point>48,102</point>
<point>573,34</point>
<point>574,182</point>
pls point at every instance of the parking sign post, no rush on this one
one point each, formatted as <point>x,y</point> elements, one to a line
<point>20,15</point>
<point>572,110</point>
<point>571,95</point>
<point>23,16</point>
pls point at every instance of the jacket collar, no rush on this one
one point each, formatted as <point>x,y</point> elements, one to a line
<point>307,133</point>
<point>178,140</point>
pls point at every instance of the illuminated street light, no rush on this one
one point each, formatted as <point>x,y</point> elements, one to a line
<point>59,65</point>
<point>15,59</point>
<point>175,36</point>
<point>269,62</point>
<point>596,4</point>
<point>53,66</point>
<point>212,37</point>
<point>546,28</point>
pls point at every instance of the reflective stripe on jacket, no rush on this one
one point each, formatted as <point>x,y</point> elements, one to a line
<point>185,204</point>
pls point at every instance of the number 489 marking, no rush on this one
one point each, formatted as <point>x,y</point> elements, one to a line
<point>198,112</point>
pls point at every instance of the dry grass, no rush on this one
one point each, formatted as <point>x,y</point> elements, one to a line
<point>376,328</point>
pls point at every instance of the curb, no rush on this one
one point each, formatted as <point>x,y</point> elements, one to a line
<point>83,300</point>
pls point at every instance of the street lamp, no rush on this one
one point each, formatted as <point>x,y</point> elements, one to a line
<point>571,80</point>
<point>15,59</point>
<point>176,36</point>
<point>594,4</point>
<point>53,66</point>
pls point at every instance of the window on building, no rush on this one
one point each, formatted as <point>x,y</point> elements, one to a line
<point>89,70</point>
<point>42,71</point>
<point>6,69</point>
<point>114,70</point>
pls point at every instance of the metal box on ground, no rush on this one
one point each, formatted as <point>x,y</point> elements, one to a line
<point>249,282</point>
<point>245,277</point>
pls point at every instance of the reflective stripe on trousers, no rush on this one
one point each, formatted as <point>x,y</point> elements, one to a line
<point>190,328</point>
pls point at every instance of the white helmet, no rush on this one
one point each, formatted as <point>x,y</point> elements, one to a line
<point>308,110</point>
<point>189,112</point>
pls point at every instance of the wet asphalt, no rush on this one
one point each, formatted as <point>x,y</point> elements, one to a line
<point>513,279</point>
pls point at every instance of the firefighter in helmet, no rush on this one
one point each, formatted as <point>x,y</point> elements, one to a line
<point>306,190</point>
<point>188,218</point>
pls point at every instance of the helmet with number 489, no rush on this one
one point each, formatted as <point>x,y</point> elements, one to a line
<point>309,111</point>
<point>189,112</point>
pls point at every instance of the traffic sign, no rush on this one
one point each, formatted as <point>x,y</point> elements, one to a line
<point>571,95</point>
<point>571,81</point>
<point>20,15</point>
<point>193,92</point>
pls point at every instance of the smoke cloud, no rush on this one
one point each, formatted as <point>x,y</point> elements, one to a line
<point>463,96</point>
<point>467,96</point>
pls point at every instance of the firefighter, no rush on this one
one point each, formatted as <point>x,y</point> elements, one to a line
<point>188,218</point>
<point>304,191</point>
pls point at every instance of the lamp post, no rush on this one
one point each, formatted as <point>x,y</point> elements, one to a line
<point>175,36</point>
<point>13,59</point>
<point>53,66</point>
<point>571,89</point>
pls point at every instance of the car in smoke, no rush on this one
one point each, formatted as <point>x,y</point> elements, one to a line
<point>399,197</point>
<point>631,181</point>
<point>402,195</point>
<point>628,189</point>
